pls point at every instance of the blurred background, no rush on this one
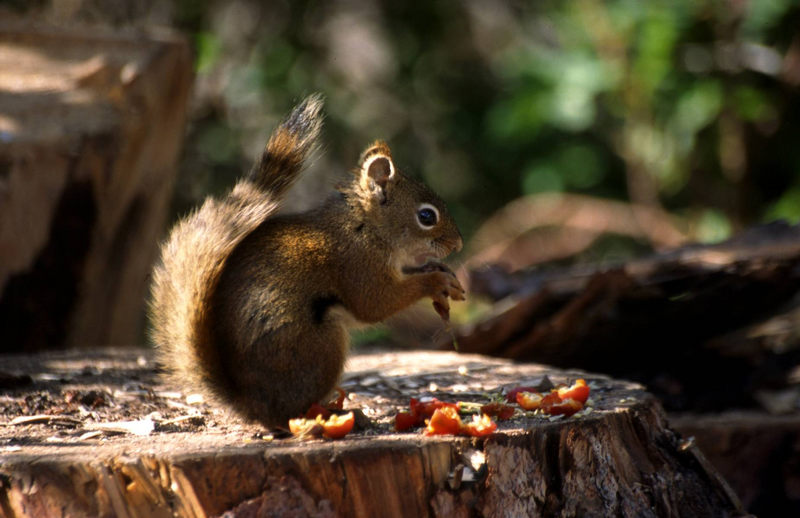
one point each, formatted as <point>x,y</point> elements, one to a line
<point>558,132</point>
<point>561,135</point>
<point>688,108</point>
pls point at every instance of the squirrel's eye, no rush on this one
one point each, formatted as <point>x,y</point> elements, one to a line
<point>427,216</point>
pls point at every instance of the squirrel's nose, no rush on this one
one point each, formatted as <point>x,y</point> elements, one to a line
<point>459,242</point>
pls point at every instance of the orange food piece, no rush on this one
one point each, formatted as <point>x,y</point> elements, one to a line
<point>419,411</point>
<point>579,391</point>
<point>481,426</point>
<point>337,426</point>
<point>511,396</point>
<point>303,427</point>
<point>529,400</point>
<point>559,401</point>
<point>444,421</point>
<point>444,418</point>
<point>333,427</point>
<point>427,408</point>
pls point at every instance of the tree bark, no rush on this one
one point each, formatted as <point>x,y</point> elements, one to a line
<point>686,322</point>
<point>91,125</point>
<point>619,459</point>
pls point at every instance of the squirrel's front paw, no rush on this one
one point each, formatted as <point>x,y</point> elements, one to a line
<point>444,286</point>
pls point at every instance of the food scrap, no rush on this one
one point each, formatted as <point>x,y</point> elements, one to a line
<point>444,421</point>
<point>333,427</point>
<point>317,410</point>
<point>480,426</point>
<point>498,410</point>
<point>442,418</point>
<point>325,411</point>
<point>447,421</point>
<point>419,412</point>
<point>559,401</point>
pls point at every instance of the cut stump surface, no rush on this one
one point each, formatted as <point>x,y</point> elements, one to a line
<point>97,434</point>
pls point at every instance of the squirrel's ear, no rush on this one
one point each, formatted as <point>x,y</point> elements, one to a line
<point>377,171</point>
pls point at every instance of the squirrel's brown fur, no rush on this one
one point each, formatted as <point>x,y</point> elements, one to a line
<point>255,307</point>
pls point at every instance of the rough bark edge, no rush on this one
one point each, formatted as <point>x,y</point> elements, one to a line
<point>625,463</point>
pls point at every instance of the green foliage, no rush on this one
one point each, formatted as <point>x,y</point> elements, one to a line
<point>713,226</point>
<point>208,50</point>
<point>488,102</point>
<point>787,207</point>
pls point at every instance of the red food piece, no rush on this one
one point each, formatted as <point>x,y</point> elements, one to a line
<point>317,410</point>
<point>549,400</point>
<point>566,407</point>
<point>529,400</point>
<point>419,411</point>
<point>338,403</point>
<point>559,401</point>
<point>444,421</point>
<point>481,426</point>
<point>427,408</point>
<point>579,391</point>
<point>405,420</point>
<point>498,410</point>
<point>511,396</point>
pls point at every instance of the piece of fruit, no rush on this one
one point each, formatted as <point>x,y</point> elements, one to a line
<point>333,427</point>
<point>480,426</point>
<point>578,391</point>
<point>405,420</point>
<point>511,396</point>
<point>427,408</point>
<point>498,411</point>
<point>444,421</point>
<point>302,427</point>
<point>337,426</point>
<point>566,407</point>
<point>338,403</point>
<point>559,401</point>
<point>529,400</point>
<point>317,410</point>
<point>419,411</point>
<point>549,399</point>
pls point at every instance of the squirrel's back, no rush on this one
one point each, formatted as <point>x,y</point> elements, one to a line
<point>194,254</point>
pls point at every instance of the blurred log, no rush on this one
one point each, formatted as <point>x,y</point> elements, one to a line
<point>620,459</point>
<point>653,320</point>
<point>758,454</point>
<point>90,130</point>
<point>550,226</point>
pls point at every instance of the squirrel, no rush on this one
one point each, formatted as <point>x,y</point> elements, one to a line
<point>254,307</point>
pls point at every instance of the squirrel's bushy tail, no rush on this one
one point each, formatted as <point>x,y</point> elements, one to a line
<point>288,148</point>
<point>194,255</point>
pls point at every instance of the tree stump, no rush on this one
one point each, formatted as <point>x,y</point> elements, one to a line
<point>95,433</point>
<point>91,126</point>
